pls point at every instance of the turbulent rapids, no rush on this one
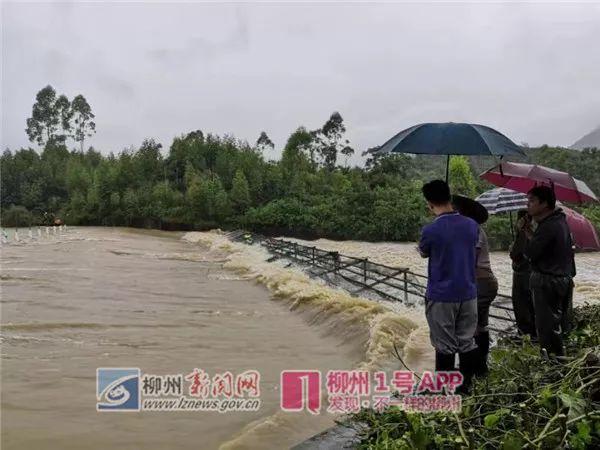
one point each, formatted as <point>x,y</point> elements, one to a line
<point>169,302</point>
<point>377,327</point>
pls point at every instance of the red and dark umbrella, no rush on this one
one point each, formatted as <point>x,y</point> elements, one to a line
<point>583,231</point>
<point>522,177</point>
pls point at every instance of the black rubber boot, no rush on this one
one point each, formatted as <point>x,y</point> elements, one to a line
<point>469,362</point>
<point>444,361</point>
<point>483,344</point>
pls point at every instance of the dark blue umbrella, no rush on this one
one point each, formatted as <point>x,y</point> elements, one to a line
<point>450,139</point>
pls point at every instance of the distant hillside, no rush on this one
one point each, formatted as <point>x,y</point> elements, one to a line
<point>589,140</point>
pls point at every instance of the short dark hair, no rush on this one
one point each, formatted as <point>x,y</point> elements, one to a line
<point>437,192</point>
<point>544,194</point>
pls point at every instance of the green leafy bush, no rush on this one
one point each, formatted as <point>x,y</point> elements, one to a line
<point>16,216</point>
<point>526,401</point>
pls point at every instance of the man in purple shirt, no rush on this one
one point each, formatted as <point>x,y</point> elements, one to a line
<point>451,300</point>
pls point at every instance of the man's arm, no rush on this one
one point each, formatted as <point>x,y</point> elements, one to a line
<point>424,247</point>
<point>516,251</point>
<point>478,245</point>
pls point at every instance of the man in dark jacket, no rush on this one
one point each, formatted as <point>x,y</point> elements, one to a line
<point>521,294</point>
<point>550,252</point>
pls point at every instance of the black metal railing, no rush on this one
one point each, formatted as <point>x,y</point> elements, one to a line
<point>362,275</point>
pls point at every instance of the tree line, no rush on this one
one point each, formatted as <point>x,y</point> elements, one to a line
<point>205,181</point>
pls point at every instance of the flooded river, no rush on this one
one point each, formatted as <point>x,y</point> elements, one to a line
<point>164,302</point>
<point>171,302</point>
<point>403,254</point>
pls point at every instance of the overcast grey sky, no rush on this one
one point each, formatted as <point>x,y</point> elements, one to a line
<point>158,70</point>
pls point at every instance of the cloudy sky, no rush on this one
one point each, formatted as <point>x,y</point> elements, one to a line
<point>161,69</point>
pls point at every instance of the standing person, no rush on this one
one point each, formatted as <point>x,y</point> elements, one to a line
<point>487,289</point>
<point>521,295</point>
<point>487,285</point>
<point>451,299</point>
<point>550,252</point>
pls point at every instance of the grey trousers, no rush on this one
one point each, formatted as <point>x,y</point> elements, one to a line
<point>452,325</point>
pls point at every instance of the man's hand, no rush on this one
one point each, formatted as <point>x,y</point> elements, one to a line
<point>524,225</point>
<point>421,252</point>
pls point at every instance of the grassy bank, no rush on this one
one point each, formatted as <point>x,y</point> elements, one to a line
<point>525,402</point>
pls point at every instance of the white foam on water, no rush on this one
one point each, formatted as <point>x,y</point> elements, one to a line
<point>376,329</point>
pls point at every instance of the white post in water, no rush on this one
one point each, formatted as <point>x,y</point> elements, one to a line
<point>30,234</point>
<point>47,231</point>
<point>16,235</point>
<point>39,232</point>
<point>54,229</point>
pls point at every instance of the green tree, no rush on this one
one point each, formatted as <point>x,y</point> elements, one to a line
<point>331,141</point>
<point>83,118</point>
<point>297,158</point>
<point>31,194</point>
<point>460,177</point>
<point>131,208</point>
<point>50,118</point>
<point>16,216</point>
<point>186,153</point>
<point>298,148</point>
<point>76,212</point>
<point>347,151</point>
<point>208,199</point>
<point>240,193</point>
<point>148,163</point>
<point>166,201</point>
<point>264,142</point>
<point>77,177</point>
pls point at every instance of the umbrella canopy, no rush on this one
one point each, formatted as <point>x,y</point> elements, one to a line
<point>522,177</point>
<point>501,200</point>
<point>470,208</point>
<point>450,139</point>
<point>584,234</point>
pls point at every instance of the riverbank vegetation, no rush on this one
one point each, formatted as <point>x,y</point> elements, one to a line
<point>203,181</point>
<point>526,401</point>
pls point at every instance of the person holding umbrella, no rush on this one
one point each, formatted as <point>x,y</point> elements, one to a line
<point>550,251</point>
<point>521,294</point>
<point>487,284</point>
<point>451,299</point>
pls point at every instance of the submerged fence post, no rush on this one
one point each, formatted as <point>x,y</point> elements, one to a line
<point>336,262</point>
<point>365,270</point>
<point>405,286</point>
